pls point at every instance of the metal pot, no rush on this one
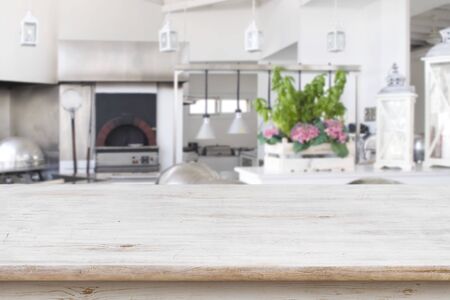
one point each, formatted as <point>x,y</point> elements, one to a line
<point>20,155</point>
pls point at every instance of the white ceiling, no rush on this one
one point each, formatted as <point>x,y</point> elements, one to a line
<point>426,14</point>
<point>181,5</point>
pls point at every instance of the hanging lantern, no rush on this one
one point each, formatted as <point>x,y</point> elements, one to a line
<point>395,123</point>
<point>437,104</point>
<point>29,30</point>
<point>336,39</point>
<point>238,125</point>
<point>168,37</point>
<point>253,36</point>
<point>206,131</point>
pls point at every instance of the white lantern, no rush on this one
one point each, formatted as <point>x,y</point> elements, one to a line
<point>336,37</point>
<point>336,40</point>
<point>168,38</point>
<point>395,124</point>
<point>253,38</point>
<point>29,30</point>
<point>437,104</point>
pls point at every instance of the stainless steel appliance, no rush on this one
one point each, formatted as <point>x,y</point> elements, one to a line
<point>217,150</point>
<point>127,159</point>
<point>248,159</point>
<point>21,161</point>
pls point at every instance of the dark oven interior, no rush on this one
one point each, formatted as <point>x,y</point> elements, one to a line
<point>125,119</point>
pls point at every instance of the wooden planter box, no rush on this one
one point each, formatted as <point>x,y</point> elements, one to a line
<point>281,158</point>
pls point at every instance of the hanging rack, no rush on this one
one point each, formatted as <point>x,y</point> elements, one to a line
<point>255,68</point>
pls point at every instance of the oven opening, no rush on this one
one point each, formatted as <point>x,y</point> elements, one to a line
<point>126,135</point>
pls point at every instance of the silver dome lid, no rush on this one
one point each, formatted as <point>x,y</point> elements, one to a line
<point>20,154</point>
<point>442,49</point>
<point>189,173</point>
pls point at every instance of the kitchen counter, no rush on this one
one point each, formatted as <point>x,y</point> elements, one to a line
<point>427,176</point>
<point>224,242</point>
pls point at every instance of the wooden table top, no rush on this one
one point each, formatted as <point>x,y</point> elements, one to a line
<point>127,232</point>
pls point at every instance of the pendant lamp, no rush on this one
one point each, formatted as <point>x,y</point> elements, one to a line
<point>253,36</point>
<point>206,131</point>
<point>168,37</point>
<point>336,38</point>
<point>238,125</point>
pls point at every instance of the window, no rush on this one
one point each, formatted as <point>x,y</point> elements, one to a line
<point>228,106</point>
<point>198,108</point>
<point>218,106</point>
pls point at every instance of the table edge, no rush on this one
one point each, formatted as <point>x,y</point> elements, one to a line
<point>130,273</point>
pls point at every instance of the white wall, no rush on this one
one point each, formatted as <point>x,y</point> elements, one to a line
<point>4,113</point>
<point>214,34</point>
<point>28,64</point>
<point>280,22</point>
<point>34,115</point>
<point>222,86</point>
<point>166,125</point>
<point>109,20</point>
<point>377,36</point>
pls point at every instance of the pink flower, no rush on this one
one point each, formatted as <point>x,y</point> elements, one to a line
<point>304,133</point>
<point>335,130</point>
<point>271,132</point>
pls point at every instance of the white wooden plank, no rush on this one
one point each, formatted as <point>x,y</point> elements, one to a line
<point>135,232</point>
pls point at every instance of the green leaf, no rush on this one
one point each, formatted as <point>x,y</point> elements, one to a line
<point>341,150</point>
<point>300,147</point>
<point>261,139</point>
<point>321,139</point>
<point>273,141</point>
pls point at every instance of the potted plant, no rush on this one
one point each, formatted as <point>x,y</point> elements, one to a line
<point>308,122</point>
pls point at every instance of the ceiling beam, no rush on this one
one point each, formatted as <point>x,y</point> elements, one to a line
<point>159,2</point>
<point>190,4</point>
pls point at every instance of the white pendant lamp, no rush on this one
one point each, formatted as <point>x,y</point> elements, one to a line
<point>238,126</point>
<point>206,131</point>
<point>336,40</point>
<point>253,36</point>
<point>168,37</point>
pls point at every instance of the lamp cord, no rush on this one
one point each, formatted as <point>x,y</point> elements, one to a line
<point>238,91</point>
<point>206,94</point>
<point>254,9</point>
<point>335,10</point>
<point>269,98</point>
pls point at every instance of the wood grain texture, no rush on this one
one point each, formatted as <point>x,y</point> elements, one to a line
<point>224,233</point>
<point>224,291</point>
